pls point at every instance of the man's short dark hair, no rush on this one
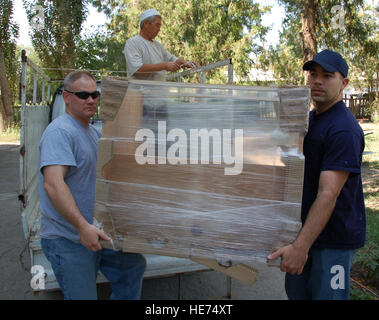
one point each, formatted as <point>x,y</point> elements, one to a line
<point>76,75</point>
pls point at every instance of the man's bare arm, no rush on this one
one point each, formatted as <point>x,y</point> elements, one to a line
<point>295,255</point>
<point>168,66</point>
<point>152,68</point>
<point>64,202</point>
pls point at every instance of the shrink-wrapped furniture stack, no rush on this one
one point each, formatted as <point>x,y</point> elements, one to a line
<point>200,171</point>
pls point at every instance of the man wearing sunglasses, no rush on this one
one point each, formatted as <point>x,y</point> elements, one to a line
<point>67,179</point>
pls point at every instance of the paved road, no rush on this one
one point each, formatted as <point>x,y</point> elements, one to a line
<point>15,263</point>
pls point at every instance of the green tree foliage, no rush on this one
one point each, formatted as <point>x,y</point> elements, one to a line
<point>366,56</point>
<point>342,26</point>
<point>204,31</point>
<point>55,36</point>
<point>8,63</point>
<point>286,58</point>
<point>99,50</point>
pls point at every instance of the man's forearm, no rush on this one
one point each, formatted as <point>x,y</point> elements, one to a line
<point>330,186</point>
<point>157,67</point>
<point>318,216</point>
<point>150,68</point>
<point>295,254</point>
<point>64,202</point>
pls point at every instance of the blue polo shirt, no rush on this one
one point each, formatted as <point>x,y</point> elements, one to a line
<point>335,141</point>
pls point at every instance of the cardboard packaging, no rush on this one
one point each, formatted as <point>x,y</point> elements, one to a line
<point>200,171</point>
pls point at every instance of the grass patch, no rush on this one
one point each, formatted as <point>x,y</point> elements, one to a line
<point>365,269</point>
<point>12,135</point>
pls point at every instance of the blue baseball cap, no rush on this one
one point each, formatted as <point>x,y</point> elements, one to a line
<point>330,61</point>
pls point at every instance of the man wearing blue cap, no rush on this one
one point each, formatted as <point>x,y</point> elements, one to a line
<point>147,58</point>
<point>318,262</point>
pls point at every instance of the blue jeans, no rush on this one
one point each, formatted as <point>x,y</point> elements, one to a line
<point>124,271</point>
<point>326,276</point>
<point>75,268</point>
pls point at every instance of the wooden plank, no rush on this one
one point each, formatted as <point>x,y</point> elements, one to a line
<point>239,271</point>
<point>113,91</point>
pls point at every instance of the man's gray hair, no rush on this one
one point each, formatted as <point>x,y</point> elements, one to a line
<point>150,19</point>
<point>76,75</point>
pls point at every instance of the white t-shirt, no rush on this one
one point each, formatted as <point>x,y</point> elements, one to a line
<point>139,51</point>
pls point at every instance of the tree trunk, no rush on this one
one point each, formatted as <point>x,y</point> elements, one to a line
<point>308,31</point>
<point>3,118</point>
<point>6,95</point>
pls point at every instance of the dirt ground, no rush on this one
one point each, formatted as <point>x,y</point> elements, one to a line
<point>369,175</point>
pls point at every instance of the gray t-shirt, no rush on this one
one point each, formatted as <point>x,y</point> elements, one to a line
<point>69,143</point>
<point>139,51</point>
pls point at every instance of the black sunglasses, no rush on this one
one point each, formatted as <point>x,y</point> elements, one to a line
<point>84,95</point>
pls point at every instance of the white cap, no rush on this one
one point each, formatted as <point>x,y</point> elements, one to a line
<point>148,13</point>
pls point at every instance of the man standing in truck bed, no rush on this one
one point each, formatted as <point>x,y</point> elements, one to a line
<point>146,58</point>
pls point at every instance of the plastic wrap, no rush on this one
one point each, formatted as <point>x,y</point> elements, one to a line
<point>200,171</point>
